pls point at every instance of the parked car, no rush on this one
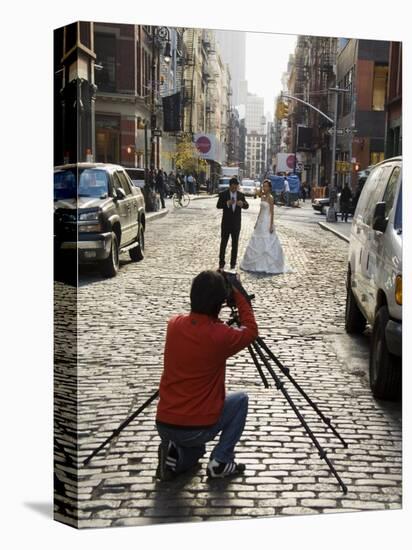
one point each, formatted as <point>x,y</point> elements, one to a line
<point>320,204</point>
<point>223,184</point>
<point>99,213</point>
<point>248,188</point>
<point>374,278</point>
<point>137,176</point>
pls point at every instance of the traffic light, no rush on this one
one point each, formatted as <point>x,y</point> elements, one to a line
<point>357,166</point>
<point>282,110</point>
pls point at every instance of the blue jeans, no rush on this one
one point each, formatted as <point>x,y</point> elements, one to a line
<point>190,443</point>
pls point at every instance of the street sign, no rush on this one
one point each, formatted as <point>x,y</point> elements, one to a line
<point>342,131</point>
<point>157,133</point>
<point>299,166</point>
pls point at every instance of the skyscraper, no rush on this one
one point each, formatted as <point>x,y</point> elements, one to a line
<point>232,48</point>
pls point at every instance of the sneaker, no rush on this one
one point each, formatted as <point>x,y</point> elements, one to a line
<point>167,453</point>
<point>224,469</point>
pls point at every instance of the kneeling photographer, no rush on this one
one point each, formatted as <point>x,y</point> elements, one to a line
<point>193,407</point>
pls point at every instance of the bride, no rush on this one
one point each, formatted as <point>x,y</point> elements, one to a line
<point>264,252</point>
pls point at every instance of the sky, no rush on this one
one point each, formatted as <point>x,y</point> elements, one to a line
<point>267,56</point>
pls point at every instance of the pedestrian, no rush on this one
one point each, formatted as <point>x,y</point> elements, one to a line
<point>286,189</point>
<point>171,180</point>
<point>160,187</point>
<point>231,202</point>
<point>304,193</point>
<point>193,406</point>
<point>190,183</point>
<point>345,199</point>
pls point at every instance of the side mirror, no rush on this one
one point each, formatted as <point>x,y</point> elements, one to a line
<point>379,219</point>
<point>120,193</point>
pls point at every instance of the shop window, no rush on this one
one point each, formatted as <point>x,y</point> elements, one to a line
<point>380,76</point>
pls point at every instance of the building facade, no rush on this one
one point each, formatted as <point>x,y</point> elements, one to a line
<point>232,47</point>
<point>393,131</point>
<point>362,69</point>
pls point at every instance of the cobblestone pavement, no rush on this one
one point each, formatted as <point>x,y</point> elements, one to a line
<point>121,329</point>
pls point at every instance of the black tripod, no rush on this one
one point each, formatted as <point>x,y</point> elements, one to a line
<point>261,348</point>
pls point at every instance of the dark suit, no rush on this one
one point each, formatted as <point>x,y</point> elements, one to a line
<point>231,222</point>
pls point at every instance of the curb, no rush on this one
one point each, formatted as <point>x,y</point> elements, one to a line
<point>154,215</point>
<point>334,231</point>
<point>150,216</point>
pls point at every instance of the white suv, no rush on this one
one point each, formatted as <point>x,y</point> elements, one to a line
<point>374,281</point>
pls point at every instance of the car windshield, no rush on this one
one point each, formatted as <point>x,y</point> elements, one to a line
<point>398,213</point>
<point>87,182</point>
<point>248,184</point>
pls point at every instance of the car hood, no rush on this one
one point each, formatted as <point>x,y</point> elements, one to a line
<point>81,202</point>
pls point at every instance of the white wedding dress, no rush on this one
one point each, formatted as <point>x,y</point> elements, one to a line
<point>264,252</point>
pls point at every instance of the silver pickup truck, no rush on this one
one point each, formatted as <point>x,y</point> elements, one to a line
<point>98,213</point>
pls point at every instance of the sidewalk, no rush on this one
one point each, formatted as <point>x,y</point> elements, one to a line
<point>150,216</point>
<point>339,228</point>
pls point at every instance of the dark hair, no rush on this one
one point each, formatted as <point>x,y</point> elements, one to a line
<point>208,293</point>
<point>234,180</point>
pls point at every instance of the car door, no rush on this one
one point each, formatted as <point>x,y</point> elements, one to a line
<point>373,243</point>
<point>131,204</point>
<point>123,210</point>
<point>380,267</point>
<point>131,196</point>
<point>359,238</point>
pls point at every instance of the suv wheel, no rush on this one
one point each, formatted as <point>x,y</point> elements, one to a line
<point>355,322</point>
<point>137,253</point>
<point>110,266</point>
<point>385,369</point>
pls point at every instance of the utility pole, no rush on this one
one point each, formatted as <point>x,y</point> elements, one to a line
<point>331,216</point>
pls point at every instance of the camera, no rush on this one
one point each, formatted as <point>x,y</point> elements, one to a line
<point>232,282</point>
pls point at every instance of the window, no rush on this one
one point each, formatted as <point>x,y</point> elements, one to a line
<point>398,213</point>
<point>375,158</point>
<point>379,87</point>
<point>124,182</point>
<point>376,193</point>
<point>390,191</point>
<point>92,183</point>
<point>105,47</point>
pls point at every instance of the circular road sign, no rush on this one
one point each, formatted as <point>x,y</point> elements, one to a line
<point>290,161</point>
<point>203,144</point>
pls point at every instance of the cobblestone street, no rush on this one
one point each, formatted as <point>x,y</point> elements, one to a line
<point>121,329</point>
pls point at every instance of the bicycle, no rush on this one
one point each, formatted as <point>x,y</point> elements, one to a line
<point>181,200</point>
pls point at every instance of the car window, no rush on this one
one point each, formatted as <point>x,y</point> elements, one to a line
<point>398,213</point>
<point>390,191</point>
<point>376,193</point>
<point>65,184</point>
<point>92,183</point>
<point>116,181</point>
<point>124,182</point>
<point>367,192</point>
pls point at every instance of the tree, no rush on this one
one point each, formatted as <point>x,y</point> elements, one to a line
<point>186,157</point>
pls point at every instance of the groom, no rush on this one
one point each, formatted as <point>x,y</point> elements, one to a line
<point>232,202</point>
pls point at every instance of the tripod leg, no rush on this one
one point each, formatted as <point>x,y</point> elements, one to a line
<point>259,368</point>
<point>280,385</point>
<point>286,372</point>
<point>122,426</point>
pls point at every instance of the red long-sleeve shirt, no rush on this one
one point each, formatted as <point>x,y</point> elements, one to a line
<point>192,386</point>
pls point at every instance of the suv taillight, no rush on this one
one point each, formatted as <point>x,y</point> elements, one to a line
<point>398,289</point>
